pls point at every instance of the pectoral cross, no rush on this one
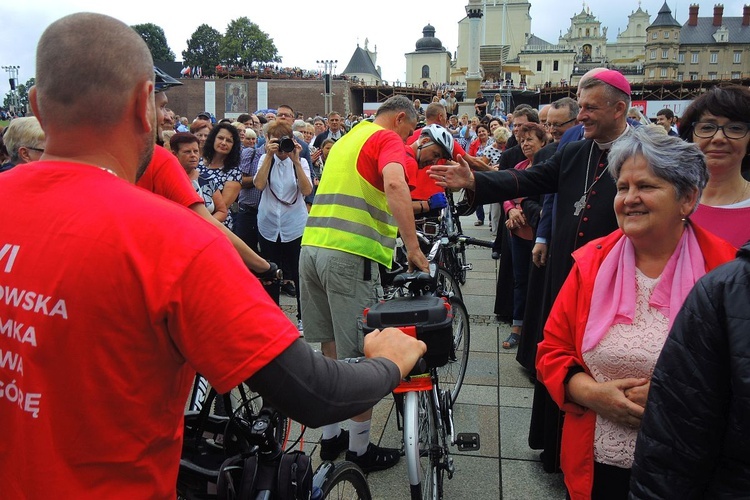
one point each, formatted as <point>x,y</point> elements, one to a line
<point>579,205</point>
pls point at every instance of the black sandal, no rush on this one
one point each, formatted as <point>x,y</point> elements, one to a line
<point>512,341</point>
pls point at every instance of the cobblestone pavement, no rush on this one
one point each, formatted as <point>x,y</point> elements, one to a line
<point>495,401</point>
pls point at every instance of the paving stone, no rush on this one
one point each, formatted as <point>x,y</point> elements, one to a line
<point>484,338</point>
<point>522,480</point>
<point>514,434</point>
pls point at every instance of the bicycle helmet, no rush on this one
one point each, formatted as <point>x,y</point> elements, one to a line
<point>440,136</point>
<point>163,81</point>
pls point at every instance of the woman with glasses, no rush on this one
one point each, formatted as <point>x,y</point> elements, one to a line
<point>717,123</point>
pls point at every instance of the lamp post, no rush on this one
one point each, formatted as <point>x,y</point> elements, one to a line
<point>13,79</point>
<point>328,67</point>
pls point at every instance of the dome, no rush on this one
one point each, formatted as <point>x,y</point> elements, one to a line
<point>428,40</point>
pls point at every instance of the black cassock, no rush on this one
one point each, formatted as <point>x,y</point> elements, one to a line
<point>586,191</point>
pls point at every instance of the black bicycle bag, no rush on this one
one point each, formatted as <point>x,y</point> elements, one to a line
<point>430,317</point>
<point>241,477</point>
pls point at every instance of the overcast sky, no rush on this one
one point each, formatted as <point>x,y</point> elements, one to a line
<point>306,31</point>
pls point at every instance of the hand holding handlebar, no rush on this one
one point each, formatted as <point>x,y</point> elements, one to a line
<point>395,345</point>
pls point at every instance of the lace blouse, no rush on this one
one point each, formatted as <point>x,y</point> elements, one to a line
<point>626,351</point>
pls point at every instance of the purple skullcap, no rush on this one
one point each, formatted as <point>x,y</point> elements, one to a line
<point>615,79</point>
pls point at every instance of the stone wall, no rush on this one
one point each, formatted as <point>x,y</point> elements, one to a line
<point>305,96</point>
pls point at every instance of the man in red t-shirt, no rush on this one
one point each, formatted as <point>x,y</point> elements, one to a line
<point>115,297</point>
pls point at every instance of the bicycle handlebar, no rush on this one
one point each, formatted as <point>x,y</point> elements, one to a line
<point>476,242</point>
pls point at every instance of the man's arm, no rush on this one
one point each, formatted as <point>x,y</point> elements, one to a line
<point>316,390</point>
<point>399,201</point>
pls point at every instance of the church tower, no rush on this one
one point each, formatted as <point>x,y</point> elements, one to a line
<point>430,62</point>
<point>662,46</point>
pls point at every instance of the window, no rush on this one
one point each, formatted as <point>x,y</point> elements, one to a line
<point>681,57</point>
<point>555,65</point>
<point>693,76</point>
<point>654,35</point>
<point>425,71</point>
<point>665,54</point>
<point>664,72</point>
<point>712,76</point>
<point>737,57</point>
<point>680,77</point>
<point>653,54</point>
<point>693,58</point>
<point>539,65</point>
<point>651,73</point>
<point>666,34</point>
<point>714,57</point>
<point>736,75</point>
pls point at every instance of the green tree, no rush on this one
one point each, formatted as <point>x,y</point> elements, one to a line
<point>23,95</point>
<point>203,49</point>
<point>245,43</point>
<point>156,40</point>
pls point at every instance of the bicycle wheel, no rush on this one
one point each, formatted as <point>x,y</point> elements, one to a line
<point>448,284</point>
<point>451,375</point>
<point>345,480</point>
<point>421,447</point>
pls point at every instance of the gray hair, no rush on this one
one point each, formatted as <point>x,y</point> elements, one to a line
<point>299,125</point>
<point>397,104</point>
<point>23,132</point>
<point>680,163</point>
<point>567,102</point>
<point>250,133</point>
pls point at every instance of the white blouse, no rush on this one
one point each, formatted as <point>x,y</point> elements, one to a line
<point>274,217</point>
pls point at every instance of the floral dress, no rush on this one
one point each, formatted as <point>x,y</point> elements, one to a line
<point>218,177</point>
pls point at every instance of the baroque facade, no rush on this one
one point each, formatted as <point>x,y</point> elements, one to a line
<point>703,48</point>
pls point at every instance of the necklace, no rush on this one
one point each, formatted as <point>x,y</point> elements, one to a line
<point>581,203</point>
<point>742,194</point>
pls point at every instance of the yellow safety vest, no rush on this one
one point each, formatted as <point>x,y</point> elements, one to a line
<point>349,213</point>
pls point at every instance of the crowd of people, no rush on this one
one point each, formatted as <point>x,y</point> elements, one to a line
<point>604,227</point>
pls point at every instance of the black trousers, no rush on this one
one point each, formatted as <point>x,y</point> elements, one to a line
<point>610,482</point>
<point>246,225</point>
<point>286,256</point>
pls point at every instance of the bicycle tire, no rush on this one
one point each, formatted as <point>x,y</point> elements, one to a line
<point>448,284</point>
<point>421,447</point>
<point>452,374</point>
<point>346,481</point>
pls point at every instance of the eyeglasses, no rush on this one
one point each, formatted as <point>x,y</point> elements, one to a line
<point>559,125</point>
<point>732,130</point>
<point>285,115</point>
<point>35,149</point>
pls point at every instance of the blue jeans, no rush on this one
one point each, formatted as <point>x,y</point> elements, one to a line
<point>480,213</point>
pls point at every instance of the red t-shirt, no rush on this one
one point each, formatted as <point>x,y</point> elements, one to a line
<point>166,177</point>
<point>110,300</point>
<point>380,149</point>
<point>457,149</point>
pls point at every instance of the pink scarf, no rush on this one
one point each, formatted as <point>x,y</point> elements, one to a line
<point>614,287</point>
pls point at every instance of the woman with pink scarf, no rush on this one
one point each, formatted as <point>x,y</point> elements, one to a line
<point>612,316</point>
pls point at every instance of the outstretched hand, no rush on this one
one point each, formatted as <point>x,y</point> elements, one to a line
<point>453,175</point>
<point>395,345</point>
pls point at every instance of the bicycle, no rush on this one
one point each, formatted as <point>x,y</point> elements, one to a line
<point>427,312</point>
<point>253,430</point>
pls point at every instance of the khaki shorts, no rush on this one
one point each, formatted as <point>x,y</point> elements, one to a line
<point>334,294</point>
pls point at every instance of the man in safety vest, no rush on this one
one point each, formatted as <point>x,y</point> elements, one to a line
<point>362,203</point>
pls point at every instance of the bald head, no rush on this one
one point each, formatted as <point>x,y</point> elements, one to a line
<point>87,66</point>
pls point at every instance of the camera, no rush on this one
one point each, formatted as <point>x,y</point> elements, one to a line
<point>286,144</point>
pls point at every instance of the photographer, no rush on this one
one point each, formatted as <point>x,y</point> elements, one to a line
<point>284,178</point>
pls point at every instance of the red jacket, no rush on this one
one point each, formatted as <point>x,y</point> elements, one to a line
<point>561,349</point>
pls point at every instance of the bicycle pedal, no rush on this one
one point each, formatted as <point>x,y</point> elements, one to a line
<point>467,441</point>
<point>467,267</point>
